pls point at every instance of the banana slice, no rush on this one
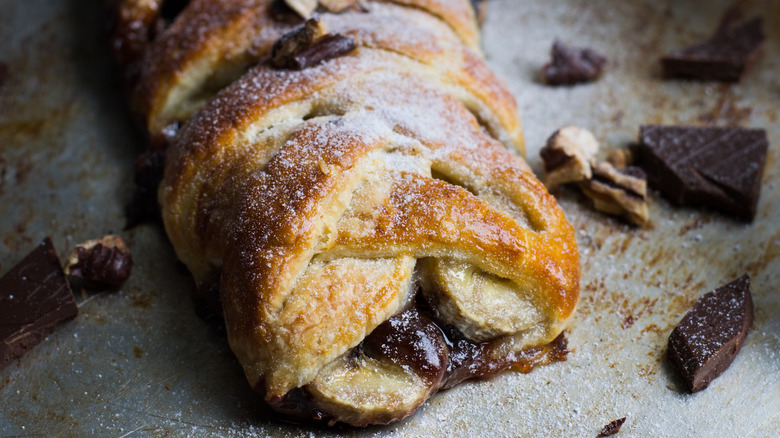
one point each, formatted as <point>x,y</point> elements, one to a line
<point>397,367</point>
<point>480,305</point>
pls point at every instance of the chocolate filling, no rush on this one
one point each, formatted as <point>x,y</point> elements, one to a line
<point>437,352</point>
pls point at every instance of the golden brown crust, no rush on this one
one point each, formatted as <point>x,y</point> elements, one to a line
<point>212,42</point>
<point>313,194</point>
<point>302,203</point>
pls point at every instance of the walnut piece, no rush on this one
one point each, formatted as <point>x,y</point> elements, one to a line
<point>105,261</point>
<point>337,6</point>
<point>618,193</point>
<point>620,158</point>
<point>568,155</point>
<point>304,8</point>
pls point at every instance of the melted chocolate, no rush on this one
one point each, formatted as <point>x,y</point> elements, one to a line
<point>296,405</point>
<point>438,353</point>
<point>470,360</point>
<point>412,340</point>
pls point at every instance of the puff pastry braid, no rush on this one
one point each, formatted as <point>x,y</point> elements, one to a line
<point>373,238</point>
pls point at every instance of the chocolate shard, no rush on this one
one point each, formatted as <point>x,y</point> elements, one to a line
<point>309,45</point>
<point>724,57</point>
<point>572,65</point>
<point>328,47</point>
<point>612,428</point>
<point>714,167</point>
<point>106,261</point>
<point>710,335</point>
<point>34,298</point>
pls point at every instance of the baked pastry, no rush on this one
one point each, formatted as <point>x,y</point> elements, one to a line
<point>371,234</point>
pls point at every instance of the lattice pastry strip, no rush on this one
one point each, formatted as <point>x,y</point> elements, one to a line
<point>324,200</point>
<point>213,42</point>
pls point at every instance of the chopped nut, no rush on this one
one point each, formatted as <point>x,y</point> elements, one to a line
<point>568,155</point>
<point>618,193</point>
<point>309,45</point>
<point>304,8</point>
<point>620,158</point>
<point>105,261</point>
<point>337,6</point>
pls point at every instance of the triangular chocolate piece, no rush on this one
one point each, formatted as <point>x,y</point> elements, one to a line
<point>723,57</point>
<point>34,298</point>
<point>715,167</point>
<point>710,335</point>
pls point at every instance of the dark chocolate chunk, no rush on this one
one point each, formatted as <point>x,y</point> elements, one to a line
<point>572,65</point>
<point>612,428</point>
<point>723,57</point>
<point>714,167</point>
<point>105,261</point>
<point>710,335</point>
<point>34,298</point>
<point>309,45</point>
<point>328,47</point>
